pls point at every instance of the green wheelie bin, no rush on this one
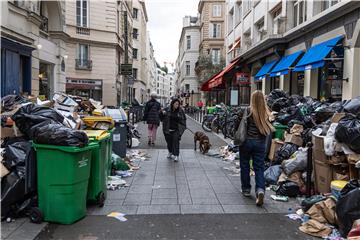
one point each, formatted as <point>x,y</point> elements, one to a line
<point>99,166</point>
<point>62,177</point>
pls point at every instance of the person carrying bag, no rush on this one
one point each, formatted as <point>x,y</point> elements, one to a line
<point>251,138</point>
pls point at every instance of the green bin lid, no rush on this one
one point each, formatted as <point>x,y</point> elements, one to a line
<point>72,149</point>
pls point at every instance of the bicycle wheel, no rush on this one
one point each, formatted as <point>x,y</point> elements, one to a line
<point>206,125</point>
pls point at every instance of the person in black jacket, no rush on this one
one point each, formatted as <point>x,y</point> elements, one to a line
<point>174,125</point>
<point>152,117</point>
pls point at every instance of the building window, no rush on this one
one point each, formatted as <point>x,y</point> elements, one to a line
<point>82,13</point>
<point>260,29</point>
<point>188,42</point>
<point>83,52</point>
<point>187,87</point>
<point>187,70</point>
<point>215,56</point>
<point>216,10</point>
<point>158,84</point>
<point>215,29</point>
<point>135,13</point>
<point>135,33</point>
<point>231,20</point>
<point>299,12</point>
<point>135,71</point>
<point>246,6</point>
<point>328,3</point>
<point>238,12</point>
<point>135,53</point>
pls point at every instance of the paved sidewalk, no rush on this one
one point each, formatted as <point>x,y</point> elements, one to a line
<point>195,184</point>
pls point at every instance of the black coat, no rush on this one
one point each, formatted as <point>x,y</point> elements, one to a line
<point>151,112</point>
<point>165,118</point>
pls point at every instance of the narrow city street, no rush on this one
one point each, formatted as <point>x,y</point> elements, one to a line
<point>194,198</point>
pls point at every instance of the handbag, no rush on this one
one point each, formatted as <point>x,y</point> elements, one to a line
<point>241,132</point>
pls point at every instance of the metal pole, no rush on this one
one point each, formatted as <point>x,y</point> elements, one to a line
<point>309,169</point>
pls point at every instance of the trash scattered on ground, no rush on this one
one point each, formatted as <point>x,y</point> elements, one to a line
<point>119,216</point>
<point>279,198</point>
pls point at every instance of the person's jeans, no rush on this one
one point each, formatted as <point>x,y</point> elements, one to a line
<point>253,149</point>
<point>152,129</point>
<point>173,142</point>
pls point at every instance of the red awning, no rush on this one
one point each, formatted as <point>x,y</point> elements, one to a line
<point>218,78</point>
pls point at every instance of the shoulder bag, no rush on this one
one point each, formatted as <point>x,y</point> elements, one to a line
<point>241,132</point>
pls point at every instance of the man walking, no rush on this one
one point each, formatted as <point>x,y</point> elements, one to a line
<point>152,118</point>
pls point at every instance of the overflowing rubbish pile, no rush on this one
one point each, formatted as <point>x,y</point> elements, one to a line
<point>313,156</point>
<point>66,126</point>
<point>315,152</point>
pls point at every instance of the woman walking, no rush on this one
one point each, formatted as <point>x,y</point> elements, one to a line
<point>258,127</point>
<point>174,125</point>
<point>152,117</point>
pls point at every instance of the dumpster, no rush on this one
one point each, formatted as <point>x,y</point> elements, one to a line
<point>99,166</point>
<point>63,175</point>
<point>119,133</point>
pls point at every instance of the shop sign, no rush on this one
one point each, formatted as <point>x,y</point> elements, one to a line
<point>242,77</point>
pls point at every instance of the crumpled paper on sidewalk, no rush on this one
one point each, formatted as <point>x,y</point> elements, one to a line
<point>315,228</point>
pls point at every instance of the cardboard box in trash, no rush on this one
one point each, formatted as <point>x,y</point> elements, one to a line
<point>295,139</point>
<point>337,117</point>
<point>275,145</point>
<point>10,132</point>
<point>318,142</point>
<point>323,176</point>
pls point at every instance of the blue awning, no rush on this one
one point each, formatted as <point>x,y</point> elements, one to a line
<point>314,57</point>
<point>284,64</point>
<point>265,70</point>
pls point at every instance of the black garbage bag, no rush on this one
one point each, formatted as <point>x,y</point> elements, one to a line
<point>348,132</point>
<point>16,154</point>
<point>353,106</point>
<point>12,192</point>
<point>288,114</point>
<point>348,206</point>
<point>274,95</point>
<point>9,102</point>
<point>279,104</point>
<point>315,104</point>
<point>272,174</point>
<point>285,152</point>
<point>57,134</point>
<point>309,122</point>
<point>337,106</point>
<point>30,115</point>
<point>288,188</point>
<point>323,113</point>
<point>295,100</point>
<point>307,203</point>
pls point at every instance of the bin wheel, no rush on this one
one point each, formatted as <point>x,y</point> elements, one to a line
<point>36,215</point>
<point>101,199</point>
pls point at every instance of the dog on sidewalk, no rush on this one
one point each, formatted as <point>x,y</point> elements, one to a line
<point>204,142</point>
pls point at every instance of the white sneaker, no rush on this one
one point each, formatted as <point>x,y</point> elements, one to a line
<point>176,158</point>
<point>169,156</point>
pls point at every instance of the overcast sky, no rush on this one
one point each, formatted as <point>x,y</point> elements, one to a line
<point>165,24</point>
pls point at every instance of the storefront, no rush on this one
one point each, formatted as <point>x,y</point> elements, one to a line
<point>86,88</point>
<point>261,77</point>
<point>15,67</point>
<point>322,67</point>
<point>217,86</point>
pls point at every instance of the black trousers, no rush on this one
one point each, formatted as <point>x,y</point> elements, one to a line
<point>173,142</point>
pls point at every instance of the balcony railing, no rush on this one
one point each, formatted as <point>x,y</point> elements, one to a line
<point>44,24</point>
<point>83,30</point>
<point>83,64</point>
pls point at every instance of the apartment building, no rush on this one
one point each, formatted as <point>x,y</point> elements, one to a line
<point>212,29</point>
<point>33,52</point>
<point>140,66</point>
<point>310,48</point>
<point>162,86</point>
<point>172,84</point>
<point>151,63</point>
<point>188,81</point>
<point>99,42</point>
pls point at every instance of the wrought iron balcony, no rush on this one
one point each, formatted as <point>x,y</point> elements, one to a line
<point>44,24</point>
<point>83,64</point>
<point>82,30</point>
